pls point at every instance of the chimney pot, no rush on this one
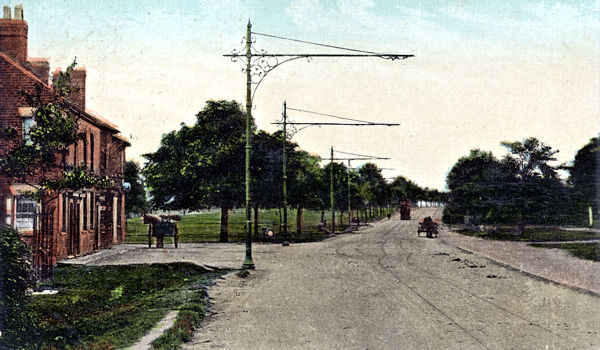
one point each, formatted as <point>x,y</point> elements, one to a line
<point>19,12</point>
<point>13,35</point>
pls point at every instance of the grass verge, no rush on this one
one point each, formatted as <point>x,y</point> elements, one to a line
<point>588,251</point>
<point>107,307</point>
<point>532,235</point>
<point>206,226</point>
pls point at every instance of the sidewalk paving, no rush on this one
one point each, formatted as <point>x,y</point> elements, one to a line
<point>555,265</point>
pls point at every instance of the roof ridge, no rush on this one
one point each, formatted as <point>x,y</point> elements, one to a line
<point>100,121</point>
<point>23,69</point>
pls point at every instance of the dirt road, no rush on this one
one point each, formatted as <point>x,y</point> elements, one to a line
<point>384,288</point>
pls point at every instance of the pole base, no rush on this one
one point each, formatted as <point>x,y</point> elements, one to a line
<point>248,264</point>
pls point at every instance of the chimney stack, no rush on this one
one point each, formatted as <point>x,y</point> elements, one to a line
<point>40,67</point>
<point>13,35</point>
<point>77,98</point>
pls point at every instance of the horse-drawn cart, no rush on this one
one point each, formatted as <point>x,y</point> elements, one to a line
<point>429,227</point>
<point>161,226</point>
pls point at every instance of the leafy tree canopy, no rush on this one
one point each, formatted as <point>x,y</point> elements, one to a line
<point>202,165</point>
<point>135,198</point>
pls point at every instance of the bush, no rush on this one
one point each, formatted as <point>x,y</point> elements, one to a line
<point>16,322</point>
<point>451,215</point>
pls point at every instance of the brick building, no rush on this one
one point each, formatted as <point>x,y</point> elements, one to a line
<point>70,223</point>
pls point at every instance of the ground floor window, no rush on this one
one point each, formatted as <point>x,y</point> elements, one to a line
<point>26,214</point>
<point>64,211</point>
<point>8,211</point>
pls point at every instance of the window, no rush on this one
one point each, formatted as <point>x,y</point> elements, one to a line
<point>92,152</point>
<point>92,211</point>
<point>26,214</point>
<point>28,123</point>
<point>75,153</point>
<point>119,204</point>
<point>85,151</point>
<point>85,211</point>
<point>64,212</point>
<point>8,211</point>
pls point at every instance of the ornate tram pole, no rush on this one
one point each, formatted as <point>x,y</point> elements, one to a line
<point>259,64</point>
<point>248,263</point>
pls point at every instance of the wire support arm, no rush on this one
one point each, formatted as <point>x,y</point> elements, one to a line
<point>387,56</point>
<point>365,158</point>
<point>348,124</point>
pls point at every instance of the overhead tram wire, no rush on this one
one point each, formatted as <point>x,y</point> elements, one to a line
<point>364,53</point>
<point>354,154</point>
<point>358,122</point>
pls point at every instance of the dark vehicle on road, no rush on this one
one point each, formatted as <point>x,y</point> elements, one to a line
<point>429,227</point>
<point>405,210</point>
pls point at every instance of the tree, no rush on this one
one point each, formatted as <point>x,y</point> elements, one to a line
<point>585,180</point>
<point>17,330</point>
<point>170,175</point>
<point>403,188</point>
<point>305,183</point>
<point>267,174</point>
<point>340,186</point>
<point>201,165</point>
<point>135,198</point>
<point>531,157</point>
<point>521,188</point>
<point>537,190</point>
<point>373,186</point>
<point>478,184</point>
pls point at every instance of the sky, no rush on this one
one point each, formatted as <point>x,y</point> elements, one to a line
<point>483,71</point>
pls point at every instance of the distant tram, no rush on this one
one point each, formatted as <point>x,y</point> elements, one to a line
<point>405,210</point>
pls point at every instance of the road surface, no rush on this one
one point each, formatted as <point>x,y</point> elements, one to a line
<point>386,288</point>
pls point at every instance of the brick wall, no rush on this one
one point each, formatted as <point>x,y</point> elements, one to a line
<point>13,39</point>
<point>99,150</point>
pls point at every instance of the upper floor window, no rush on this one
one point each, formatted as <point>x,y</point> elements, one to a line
<point>85,151</point>
<point>27,122</point>
<point>92,152</point>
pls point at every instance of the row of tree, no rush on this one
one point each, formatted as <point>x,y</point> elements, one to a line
<point>523,187</point>
<point>202,166</point>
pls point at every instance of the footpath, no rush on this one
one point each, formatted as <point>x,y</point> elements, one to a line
<point>554,265</point>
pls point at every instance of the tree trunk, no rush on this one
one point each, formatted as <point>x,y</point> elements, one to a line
<point>224,237</point>
<point>299,221</point>
<point>255,221</point>
<point>280,220</point>
<point>322,215</point>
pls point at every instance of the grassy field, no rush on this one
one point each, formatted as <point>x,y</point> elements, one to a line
<point>205,227</point>
<point>106,307</point>
<point>533,235</point>
<point>588,251</point>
